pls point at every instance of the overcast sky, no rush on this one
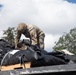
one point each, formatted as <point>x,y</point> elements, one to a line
<point>54,17</point>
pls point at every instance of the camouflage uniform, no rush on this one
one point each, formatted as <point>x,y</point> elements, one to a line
<point>33,32</point>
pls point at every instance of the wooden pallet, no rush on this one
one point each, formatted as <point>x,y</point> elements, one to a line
<point>16,66</point>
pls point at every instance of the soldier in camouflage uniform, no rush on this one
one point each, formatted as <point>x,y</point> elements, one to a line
<point>30,31</point>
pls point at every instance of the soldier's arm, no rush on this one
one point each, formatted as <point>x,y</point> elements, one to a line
<point>17,38</point>
<point>33,35</point>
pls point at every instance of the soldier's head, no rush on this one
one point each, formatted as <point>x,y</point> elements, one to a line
<point>22,27</point>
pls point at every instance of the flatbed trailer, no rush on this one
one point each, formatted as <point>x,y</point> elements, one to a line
<point>44,70</point>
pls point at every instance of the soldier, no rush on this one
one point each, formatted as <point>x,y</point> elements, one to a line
<point>30,31</point>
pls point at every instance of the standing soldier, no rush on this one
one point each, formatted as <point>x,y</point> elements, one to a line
<point>30,31</point>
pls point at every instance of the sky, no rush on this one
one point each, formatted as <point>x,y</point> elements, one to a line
<point>54,17</point>
<point>72,1</point>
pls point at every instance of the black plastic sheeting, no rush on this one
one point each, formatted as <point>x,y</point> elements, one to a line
<point>37,58</point>
<point>33,54</point>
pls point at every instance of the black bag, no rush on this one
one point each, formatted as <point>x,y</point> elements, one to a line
<point>48,60</point>
<point>33,54</point>
<point>18,56</point>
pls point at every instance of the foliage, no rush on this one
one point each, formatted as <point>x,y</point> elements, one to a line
<point>67,41</point>
<point>9,35</point>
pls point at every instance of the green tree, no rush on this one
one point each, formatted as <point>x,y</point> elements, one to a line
<point>67,41</point>
<point>9,34</point>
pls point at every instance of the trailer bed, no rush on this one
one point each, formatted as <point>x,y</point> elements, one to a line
<point>45,70</point>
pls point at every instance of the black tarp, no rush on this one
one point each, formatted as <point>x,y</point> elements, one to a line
<point>36,56</point>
